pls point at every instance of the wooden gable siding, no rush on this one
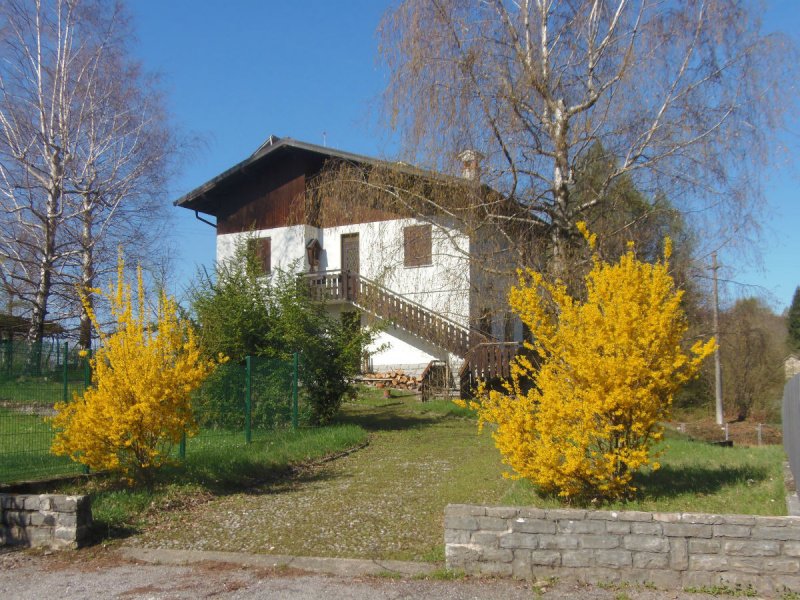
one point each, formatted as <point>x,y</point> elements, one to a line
<point>336,213</point>
<point>275,196</point>
<point>264,201</point>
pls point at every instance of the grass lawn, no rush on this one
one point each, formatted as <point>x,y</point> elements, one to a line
<point>38,390</point>
<point>217,463</point>
<point>387,500</point>
<point>25,449</point>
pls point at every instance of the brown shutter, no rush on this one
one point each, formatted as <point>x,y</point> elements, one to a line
<point>261,248</point>
<point>265,254</point>
<point>417,248</point>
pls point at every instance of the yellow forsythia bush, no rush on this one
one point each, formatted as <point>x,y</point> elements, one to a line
<point>585,420</point>
<point>138,405</point>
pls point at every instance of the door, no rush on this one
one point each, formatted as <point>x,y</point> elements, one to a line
<point>350,260</point>
<point>350,265</point>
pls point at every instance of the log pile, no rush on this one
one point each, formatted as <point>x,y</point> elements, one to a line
<point>393,379</point>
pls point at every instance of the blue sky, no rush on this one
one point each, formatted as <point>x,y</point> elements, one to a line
<point>237,71</point>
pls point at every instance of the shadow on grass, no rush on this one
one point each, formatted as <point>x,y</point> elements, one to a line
<point>381,419</point>
<point>669,482</point>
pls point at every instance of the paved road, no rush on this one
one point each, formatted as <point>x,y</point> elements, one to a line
<point>113,573</point>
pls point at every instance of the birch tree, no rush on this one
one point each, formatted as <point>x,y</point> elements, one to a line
<point>685,96</point>
<point>84,150</point>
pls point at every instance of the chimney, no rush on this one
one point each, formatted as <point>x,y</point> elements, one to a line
<point>471,161</point>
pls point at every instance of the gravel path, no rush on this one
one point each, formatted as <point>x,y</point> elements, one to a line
<point>385,501</point>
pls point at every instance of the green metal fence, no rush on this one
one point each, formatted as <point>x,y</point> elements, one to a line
<point>238,403</point>
<point>33,377</point>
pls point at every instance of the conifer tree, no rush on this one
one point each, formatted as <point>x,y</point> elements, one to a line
<point>794,321</point>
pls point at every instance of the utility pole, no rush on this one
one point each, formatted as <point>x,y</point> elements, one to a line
<point>717,365</point>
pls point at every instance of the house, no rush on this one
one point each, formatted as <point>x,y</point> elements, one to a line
<point>413,269</point>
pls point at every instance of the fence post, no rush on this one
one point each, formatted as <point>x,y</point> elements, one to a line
<point>66,371</point>
<point>758,432</point>
<point>295,408</point>
<point>182,447</point>
<point>247,399</point>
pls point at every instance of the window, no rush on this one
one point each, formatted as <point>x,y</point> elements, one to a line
<point>417,246</point>
<point>261,248</point>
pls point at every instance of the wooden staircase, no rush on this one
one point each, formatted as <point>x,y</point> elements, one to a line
<point>484,357</point>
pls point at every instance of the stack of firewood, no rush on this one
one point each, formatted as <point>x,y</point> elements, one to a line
<point>393,379</point>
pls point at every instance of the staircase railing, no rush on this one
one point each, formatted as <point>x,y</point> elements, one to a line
<point>487,362</point>
<point>402,312</point>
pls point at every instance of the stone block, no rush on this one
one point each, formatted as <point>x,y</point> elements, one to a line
<point>616,559</point>
<point>532,513</point>
<point>568,514</point>
<point>775,533</point>
<point>704,546</point>
<point>558,542</point>
<point>667,517</point>
<point>678,554</point>
<point>521,565</point>
<point>646,528</point>
<point>701,519</point>
<point>746,564</point>
<point>489,539</point>
<point>635,515</point>
<point>460,555</point>
<point>497,569</point>
<point>687,530</point>
<point>19,518</point>
<point>500,555</point>
<point>618,527</point>
<point>698,579</point>
<point>545,558</point>
<point>42,518</point>
<point>650,560</point>
<point>31,502</point>
<point>457,536</point>
<point>533,526</point>
<point>599,541</point>
<point>504,512</point>
<point>492,523</point>
<point>737,531</point>
<point>9,502</point>
<point>519,540</point>
<point>665,579</point>
<point>751,547</point>
<point>745,581</point>
<point>708,562</point>
<point>464,510</point>
<point>602,515</point>
<point>65,533</point>
<point>41,536</point>
<point>585,526</point>
<point>65,503</point>
<point>773,521</point>
<point>781,565</point>
<point>740,520</point>
<point>457,522</point>
<point>577,558</point>
<point>646,543</point>
<point>791,548</point>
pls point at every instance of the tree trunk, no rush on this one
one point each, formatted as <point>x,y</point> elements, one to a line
<point>87,277</point>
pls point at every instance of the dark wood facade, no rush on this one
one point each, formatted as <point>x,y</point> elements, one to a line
<point>272,189</point>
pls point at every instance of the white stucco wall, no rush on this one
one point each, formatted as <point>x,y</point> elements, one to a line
<point>443,286</point>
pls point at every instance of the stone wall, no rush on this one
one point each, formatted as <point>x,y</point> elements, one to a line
<point>669,550</point>
<point>44,520</point>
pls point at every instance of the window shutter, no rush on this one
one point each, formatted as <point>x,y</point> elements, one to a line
<point>417,246</point>
<point>265,254</point>
<point>261,248</point>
